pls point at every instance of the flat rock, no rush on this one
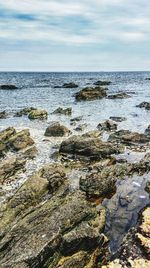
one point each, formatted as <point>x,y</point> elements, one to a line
<point>64,111</point>
<point>102,83</point>
<point>70,85</point>
<point>118,118</point>
<point>25,111</point>
<point>144,104</point>
<point>89,94</point>
<point>127,137</point>
<point>119,95</point>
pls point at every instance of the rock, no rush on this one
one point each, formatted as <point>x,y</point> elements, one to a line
<point>107,126</point>
<point>76,119</point>
<point>20,140</point>
<point>127,137</point>
<point>30,153</point>
<point>81,127</point>
<point>101,182</point>
<point>92,148</point>
<point>7,133</point>
<point>144,104</point>
<point>67,111</point>
<point>3,115</point>
<point>148,78</point>
<point>8,87</point>
<point>9,167</point>
<point>38,114</point>
<point>88,94</point>
<point>25,111</point>
<point>92,134</point>
<point>70,85</point>
<point>147,131</point>
<point>102,83</point>
<point>120,95</point>
<point>147,188</point>
<point>57,130</point>
<point>117,118</point>
<point>41,234</point>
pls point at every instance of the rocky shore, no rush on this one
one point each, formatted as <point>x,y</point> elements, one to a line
<point>47,223</point>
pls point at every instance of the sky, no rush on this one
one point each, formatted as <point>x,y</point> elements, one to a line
<point>79,35</point>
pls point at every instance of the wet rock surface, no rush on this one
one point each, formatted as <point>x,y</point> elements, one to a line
<point>102,83</point>
<point>57,130</point>
<point>108,125</point>
<point>118,118</point>
<point>88,94</point>
<point>64,111</point>
<point>70,85</point>
<point>25,111</point>
<point>38,114</point>
<point>127,137</point>
<point>120,95</point>
<point>145,105</point>
<point>8,87</point>
<point>3,115</point>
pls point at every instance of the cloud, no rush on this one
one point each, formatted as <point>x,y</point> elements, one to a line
<point>87,26</point>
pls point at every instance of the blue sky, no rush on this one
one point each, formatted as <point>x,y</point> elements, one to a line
<point>65,35</point>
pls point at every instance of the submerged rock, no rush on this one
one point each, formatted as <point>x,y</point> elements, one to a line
<point>76,119</point>
<point>107,126</point>
<point>145,105</point>
<point>25,111</point>
<point>118,118</point>
<point>8,87</point>
<point>57,130</point>
<point>70,85</point>
<point>38,114</point>
<point>81,127</point>
<point>3,115</point>
<point>127,137</point>
<point>102,83</point>
<point>89,93</point>
<point>119,95</point>
<point>65,111</point>
<point>92,148</point>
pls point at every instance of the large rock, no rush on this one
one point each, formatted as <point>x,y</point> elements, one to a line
<point>64,111</point>
<point>88,94</point>
<point>102,83</point>
<point>127,137</point>
<point>8,87</point>
<point>38,114</point>
<point>92,148</point>
<point>145,105</point>
<point>120,95</point>
<point>57,130</point>
<point>108,125</point>
<point>25,111</point>
<point>38,232</point>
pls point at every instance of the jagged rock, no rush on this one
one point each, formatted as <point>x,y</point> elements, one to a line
<point>40,233</point>
<point>120,95</point>
<point>57,130</point>
<point>147,131</point>
<point>89,93</point>
<point>7,133</point>
<point>25,111</point>
<point>127,137</point>
<point>145,105</point>
<point>70,85</point>
<point>92,148</point>
<point>38,114</point>
<point>107,126</point>
<point>8,87</point>
<point>67,111</point>
<point>101,182</point>
<point>102,83</point>
<point>3,115</point>
<point>9,167</point>
<point>117,118</point>
<point>20,140</point>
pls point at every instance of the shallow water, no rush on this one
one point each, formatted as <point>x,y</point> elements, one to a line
<point>37,90</point>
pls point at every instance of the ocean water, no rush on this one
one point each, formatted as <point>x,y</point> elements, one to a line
<point>37,90</point>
